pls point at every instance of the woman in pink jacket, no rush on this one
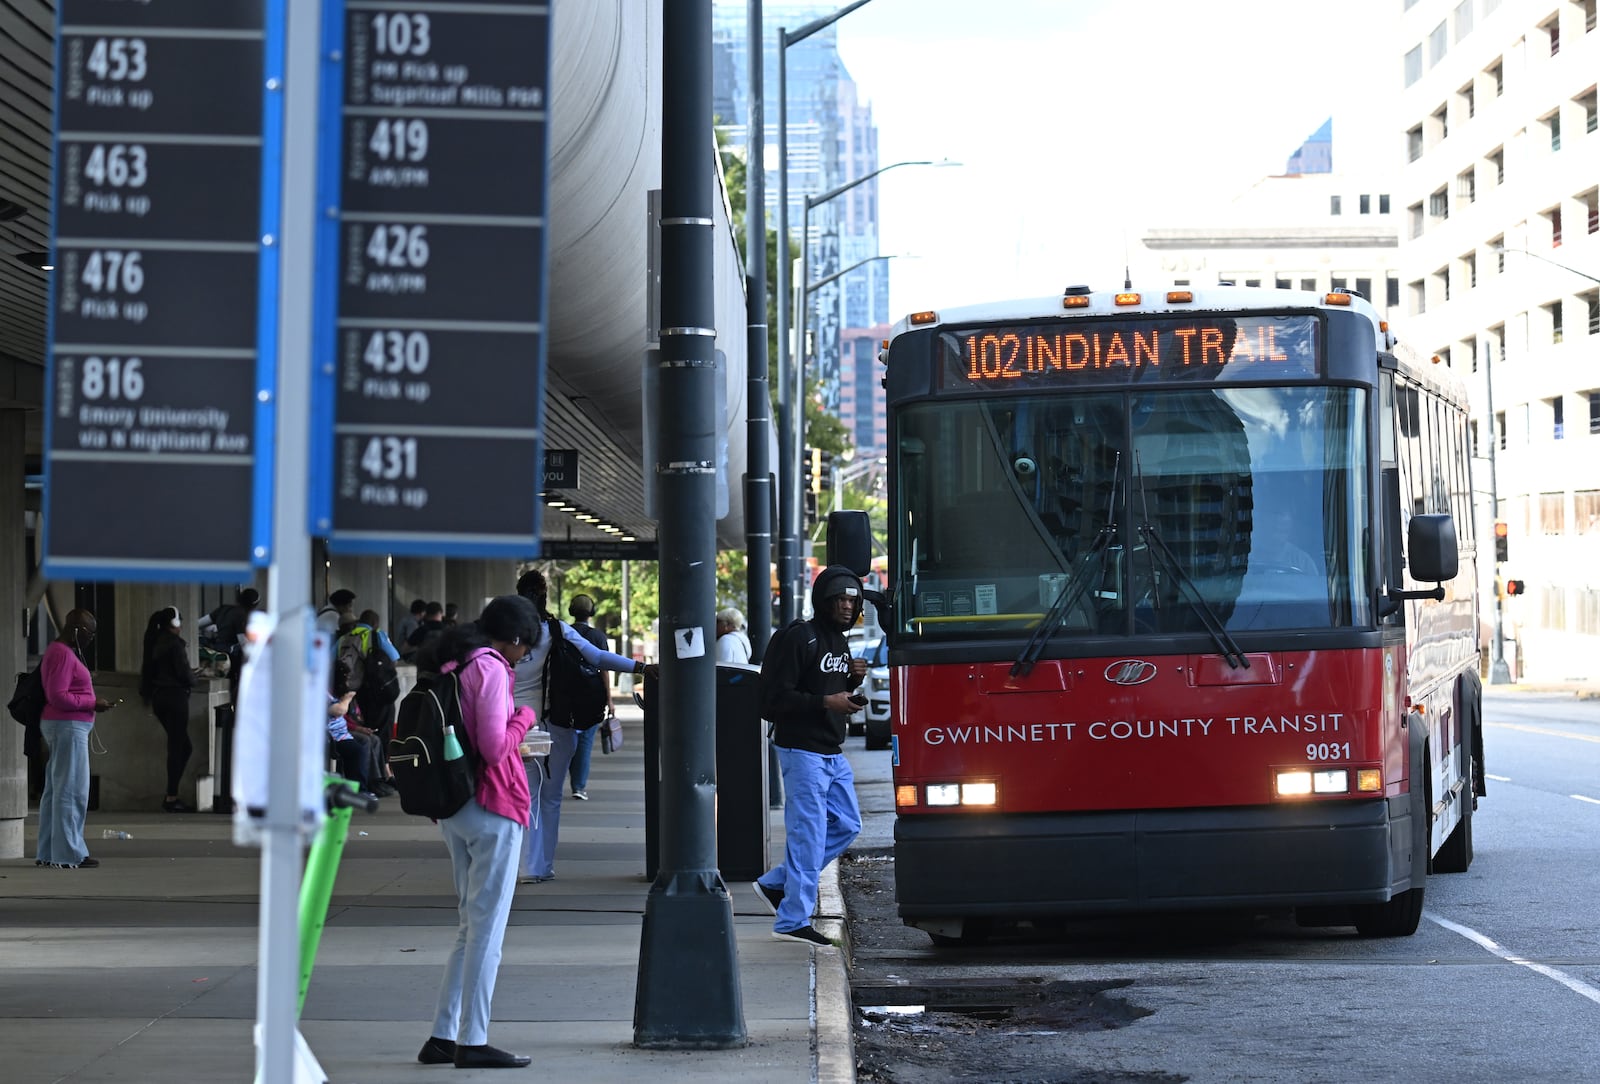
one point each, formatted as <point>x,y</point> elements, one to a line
<point>485,836</point>
<point>69,709</point>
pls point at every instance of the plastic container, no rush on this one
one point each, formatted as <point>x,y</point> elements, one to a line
<point>114,833</point>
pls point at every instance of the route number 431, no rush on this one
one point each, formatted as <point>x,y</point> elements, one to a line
<point>390,458</point>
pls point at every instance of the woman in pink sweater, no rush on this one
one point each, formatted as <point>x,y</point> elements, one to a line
<point>69,709</point>
<point>485,837</point>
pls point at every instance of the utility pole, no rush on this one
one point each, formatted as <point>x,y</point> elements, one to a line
<point>758,471</point>
<point>688,988</point>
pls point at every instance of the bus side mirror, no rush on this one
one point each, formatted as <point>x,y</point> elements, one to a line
<point>850,540</point>
<point>1431,549</point>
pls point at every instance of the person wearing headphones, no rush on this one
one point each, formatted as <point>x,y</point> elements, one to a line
<point>165,681</point>
<point>582,609</point>
<point>69,710</point>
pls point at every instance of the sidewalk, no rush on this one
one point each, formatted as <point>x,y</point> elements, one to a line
<point>144,969</point>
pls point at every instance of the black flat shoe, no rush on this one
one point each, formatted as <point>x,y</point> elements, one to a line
<point>177,805</point>
<point>489,1057</point>
<point>89,863</point>
<point>437,1051</point>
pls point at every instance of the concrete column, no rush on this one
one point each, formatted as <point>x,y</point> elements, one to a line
<point>13,575</point>
<point>470,584</point>
<point>368,577</point>
<point>414,578</point>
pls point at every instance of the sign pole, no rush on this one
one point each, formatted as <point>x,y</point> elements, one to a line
<point>289,569</point>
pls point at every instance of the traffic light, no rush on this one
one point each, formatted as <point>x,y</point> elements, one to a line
<point>814,471</point>
<point>1500,540</point>
<point>1515,587</point>
<point>808,476</point>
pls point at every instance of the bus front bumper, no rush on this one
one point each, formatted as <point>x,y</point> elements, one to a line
<point>1056,864</point>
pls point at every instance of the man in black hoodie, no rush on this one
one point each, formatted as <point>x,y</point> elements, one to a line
<point>806,680</point>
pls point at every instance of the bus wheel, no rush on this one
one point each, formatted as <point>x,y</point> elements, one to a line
<point>1397,918</point>
<point>1456,854</point>
<point>974,931</point>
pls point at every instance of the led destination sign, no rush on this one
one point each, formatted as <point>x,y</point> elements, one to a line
<point>1123,351</point>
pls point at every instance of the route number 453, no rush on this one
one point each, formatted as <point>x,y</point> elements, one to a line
<point>390,458</point>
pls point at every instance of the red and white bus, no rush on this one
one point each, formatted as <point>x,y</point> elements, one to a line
<point>1182,611</point>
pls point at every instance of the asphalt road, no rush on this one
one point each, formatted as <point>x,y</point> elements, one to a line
<point>1501,982</point>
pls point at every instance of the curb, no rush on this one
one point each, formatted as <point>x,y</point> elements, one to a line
<point>832,1031</point>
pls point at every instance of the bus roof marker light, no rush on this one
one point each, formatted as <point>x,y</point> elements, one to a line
<point>1127,299</point>
<point>1075,301</point>
<point>1179,297</point>
<point>1336,299</point>
<point>925,317</point>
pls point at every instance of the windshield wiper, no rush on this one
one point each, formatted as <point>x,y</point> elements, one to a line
<point>1072,591</point>
<point>1157,548</point>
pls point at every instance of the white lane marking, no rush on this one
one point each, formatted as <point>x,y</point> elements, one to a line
<point>1577,986</point>
<point>1585,798</point>
<point>1546,731</point>
<point>1498,778</point>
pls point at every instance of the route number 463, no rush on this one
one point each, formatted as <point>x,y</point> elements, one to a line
<point>390,458</point>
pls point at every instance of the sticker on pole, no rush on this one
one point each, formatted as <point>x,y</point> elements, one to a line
<point>691,643</point>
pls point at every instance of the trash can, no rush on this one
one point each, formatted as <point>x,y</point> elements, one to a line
<point>222,797</point>
<point>744,832</point>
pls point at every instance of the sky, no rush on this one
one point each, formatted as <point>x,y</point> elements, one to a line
<point>1079,123</point>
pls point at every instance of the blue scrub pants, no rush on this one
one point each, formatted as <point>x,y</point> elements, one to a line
<point>539,848</point>
<point>580,757</point>
<point>820,819</point>
<point>483,857</point>
<point>65,801</point>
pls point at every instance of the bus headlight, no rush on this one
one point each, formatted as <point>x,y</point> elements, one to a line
<point>1295,784</point>
<point>962,794</point>
<point>1336,781</point>
<point>978,794</point>
<point>944,793</point>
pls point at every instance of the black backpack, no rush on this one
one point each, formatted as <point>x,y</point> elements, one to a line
<point>429,784</point>
<point>381,683</point>
<point>575,693</point>
<point>27,701</point>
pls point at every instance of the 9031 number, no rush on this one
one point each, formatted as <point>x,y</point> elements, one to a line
<point>1334,750</point>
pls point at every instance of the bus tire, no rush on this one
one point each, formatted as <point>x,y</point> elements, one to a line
<point>1456,853</point>
<point>1397,918</point>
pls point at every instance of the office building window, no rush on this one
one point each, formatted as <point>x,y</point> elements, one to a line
<point>1444,356</point>
<point>1498,244</point>
<point>1586,511</point>
<point>1552,315</point>
<point>1441,280</point>
<point>1441,124</point>
<point>1282,284</point>
<point>1252,282</point>
<point>1472,352</point>
<point>1364,288</point>
<point>1383,204</point>
<point>1439,204</point>
<point>1438,44</point>
<point>1414,144</point>
<point>1552,219</point>
<point>1497,77</point>
<point>1413,64</point>
<point>1333,205</point>
<point>1591,205</point>
<point>1419,298</point>
<point>1469,267</point>
<point>1463,19</point>
<point>1556,416</point>
<point>1467,186</point>
<point>1552,124</point>
<point>1588,15</point>
<point>1591,304</point>
<point>1414,213</point>
<point>1495,347</point>
<point>1308,284</point>
<point>1337,284</point>
<point>1500,429</point>
<point>1594,412</point>
<point>1391,292</point>
<point>1552,513</point>
<point>1497,159</point>
<point>1366,204</point>
<point>1552,30</point>
<point>1586,102</point>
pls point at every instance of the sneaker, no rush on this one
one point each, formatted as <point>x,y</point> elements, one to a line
<point>770,897</point>
<point>806,935</point>
<point>581,795</point>
<point>176,805</point>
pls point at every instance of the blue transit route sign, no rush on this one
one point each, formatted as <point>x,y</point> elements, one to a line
<point>427,409</point>
<point>156,462</point>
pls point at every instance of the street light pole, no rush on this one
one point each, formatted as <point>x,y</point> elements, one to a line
<point>790,411</point>
<point>1499,672</point>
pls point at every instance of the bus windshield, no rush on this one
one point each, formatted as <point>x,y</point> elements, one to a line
<point>1255,495</point>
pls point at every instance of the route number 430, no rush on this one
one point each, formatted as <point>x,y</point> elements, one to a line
<point>390,458</point>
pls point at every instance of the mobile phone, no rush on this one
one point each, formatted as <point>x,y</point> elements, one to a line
<point>858,699</point>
